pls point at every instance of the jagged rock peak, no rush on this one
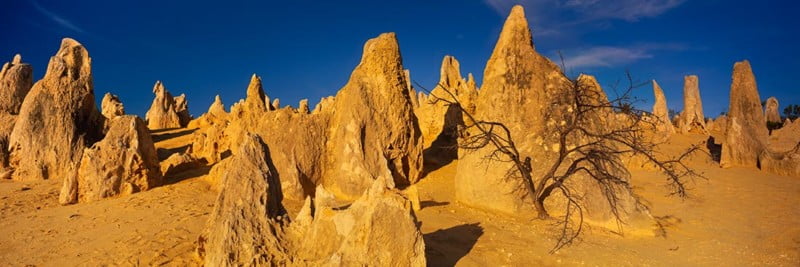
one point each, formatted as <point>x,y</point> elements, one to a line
<point>217,107</point>
<point>256,98</point>
<point>382,52</point>
<point>71,60</point>
<point>450,72</point>
<point>515,30</point>
<point>17,59</point>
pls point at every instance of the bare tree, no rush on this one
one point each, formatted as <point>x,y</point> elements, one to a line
<point>592,137</point>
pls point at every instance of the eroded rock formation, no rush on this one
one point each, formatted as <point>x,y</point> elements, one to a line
<point>691,118</point>
<point>57,119</point>
<point>16,79</point>
<point>167,111</point>
<point>438,117</point>
<point>661,112</point>
<point>527,93</point>
<point>210,142</point>
<point>771,110</point>
<point>124,162</point>
<point>249,225</point>
<point>747,128</point>
<point>112,106</point>
<point>373,129</point>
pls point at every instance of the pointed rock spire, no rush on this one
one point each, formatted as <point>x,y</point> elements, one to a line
<point>255,100</point>
<point>660,111</point>
<point>692,118</point>
<point>373,112</point>
<point>747,128</point>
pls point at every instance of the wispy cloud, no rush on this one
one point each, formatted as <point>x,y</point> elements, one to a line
<point>61,21</point>
<point>610,56</point>
<point>589,10</point>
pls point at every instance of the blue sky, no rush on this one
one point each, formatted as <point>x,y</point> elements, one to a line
<point>307,49</point>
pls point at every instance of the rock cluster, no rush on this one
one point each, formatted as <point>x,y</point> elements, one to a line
<point>368,131</point>
<point>249,225</point>
<point>771,110</point>
<point>111,106</point>
<point>691,118</point>
<point>57,119</point>
<point>124,162</point>
<point>746,134</point>
<point>167,112</point>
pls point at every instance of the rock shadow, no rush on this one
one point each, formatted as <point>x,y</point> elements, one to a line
<point>446,246</point>
<point>714,149</point>
<point>444,149</point>
<point>164,153</point>
<point>431,203</point>
<point>177,177</point>
<point>166,136</point>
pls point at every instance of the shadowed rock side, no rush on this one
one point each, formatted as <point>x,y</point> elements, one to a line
<point>661,112</point>
<point>691,118</point>
<point>438,120</point>
<point>249,226</point>
<point>747,132</point>
<point>111,106</point>
<point>167,112</point>
<point>520,87</point>
<point>373,130</point>
<point>771,110</point>
<point>124,162</point>
<point>58,118</point>
<point>16,79</point>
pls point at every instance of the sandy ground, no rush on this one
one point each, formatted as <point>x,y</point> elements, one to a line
<point>738,217</point>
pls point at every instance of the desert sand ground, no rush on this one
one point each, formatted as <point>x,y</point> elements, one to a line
<point>737,217</point>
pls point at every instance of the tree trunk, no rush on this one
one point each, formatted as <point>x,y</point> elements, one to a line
<point>540,210</point>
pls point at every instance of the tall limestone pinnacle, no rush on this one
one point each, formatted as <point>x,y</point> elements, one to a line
<point>58,118</point>
<point>527,93</point>
<point>660,111</point>
<point>256,100</point>
<point>747,131</point>
<point>373,130</point>
<point>692,118</point>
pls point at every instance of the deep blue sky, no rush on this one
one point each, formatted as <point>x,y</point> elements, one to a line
<point>307,49</point>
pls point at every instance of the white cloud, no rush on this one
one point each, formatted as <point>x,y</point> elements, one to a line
<point>581,11</point>
<point>56,18</point>
<point>610,56</point>
<point>605,56</point>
